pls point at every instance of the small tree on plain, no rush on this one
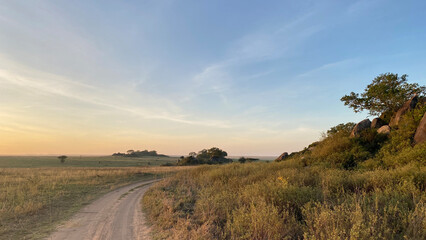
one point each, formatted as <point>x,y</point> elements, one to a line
<point>62,158</point>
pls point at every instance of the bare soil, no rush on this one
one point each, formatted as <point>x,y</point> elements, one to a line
<point>116,215</point>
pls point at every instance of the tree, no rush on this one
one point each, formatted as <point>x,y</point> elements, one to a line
<point>206,156</point>
<point>62,158</point>
<point>387,93</point>
<point>343,129</point>
<point>216,152</point>
<point>212,156</point>
<point>242,160</point>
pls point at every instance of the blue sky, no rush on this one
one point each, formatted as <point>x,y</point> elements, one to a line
<point>251,77</point>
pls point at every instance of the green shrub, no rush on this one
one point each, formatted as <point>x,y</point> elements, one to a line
<point>398,150</point>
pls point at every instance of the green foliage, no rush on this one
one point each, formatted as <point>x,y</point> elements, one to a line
<point>138,153</point>
<point>338,150</point>
<point>340,129</point>
<point>385,94</point>
<point>62,158</point>
<point>400,139</point>
<point>206,156</point>
<point>288,201</point>
<point>214,152</point>
<point>370,149</point>
<point>244,159</point>
<point>189,160</point>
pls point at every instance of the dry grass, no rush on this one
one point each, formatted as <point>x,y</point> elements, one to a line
<point>288,201</point>
<point>32,200</point>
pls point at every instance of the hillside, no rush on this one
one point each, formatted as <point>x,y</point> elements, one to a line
<point>288,201</point>
<point>359,181</point>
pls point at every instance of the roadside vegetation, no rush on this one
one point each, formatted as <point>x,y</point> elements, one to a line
<point>33,200</point>
<point>368,185</point>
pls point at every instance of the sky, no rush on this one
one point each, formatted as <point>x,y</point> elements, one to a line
<point>176,76</point>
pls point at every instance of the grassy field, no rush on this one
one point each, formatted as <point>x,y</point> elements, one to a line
<point>84,161</point>
<point>371,186</point>
<point>288,200</point>
<point>33,200</point>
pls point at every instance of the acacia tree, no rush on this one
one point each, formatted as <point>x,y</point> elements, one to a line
<point>62,158</point>
<point>387,93</point>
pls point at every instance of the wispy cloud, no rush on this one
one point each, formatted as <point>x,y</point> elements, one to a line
<point>328,66</point>
<point>222,79</point>
<point>46,83</point>
<point>251,48</point>
<point>362,6</point>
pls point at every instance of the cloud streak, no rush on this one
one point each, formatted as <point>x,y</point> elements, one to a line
<point>46,83</point>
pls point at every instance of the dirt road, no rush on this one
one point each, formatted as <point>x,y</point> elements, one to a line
<point>117,215</point>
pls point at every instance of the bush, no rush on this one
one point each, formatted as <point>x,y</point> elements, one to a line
<point>398,150</point>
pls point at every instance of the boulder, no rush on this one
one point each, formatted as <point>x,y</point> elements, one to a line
<point>282,157</point>
<point>384,129</point>
<point>377,123</point>
<point>420,135</point>
<point>409,105</point>
<point>361,126</point>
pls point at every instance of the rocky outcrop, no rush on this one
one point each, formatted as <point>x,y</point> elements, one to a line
<point>377,123</point>
<point>384,129</point>
<point>420,135</point>
<point>409,105</point>
<point>361,126</point>
<point>282,157</point>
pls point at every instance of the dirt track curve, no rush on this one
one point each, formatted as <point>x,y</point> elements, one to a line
<point>116,215</point>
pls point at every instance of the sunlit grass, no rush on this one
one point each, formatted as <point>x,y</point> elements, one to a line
<point>288,201</point>
<point>33,199</point>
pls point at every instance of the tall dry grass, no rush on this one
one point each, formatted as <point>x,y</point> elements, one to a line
<point>288,201</point>
<point>33,199</point>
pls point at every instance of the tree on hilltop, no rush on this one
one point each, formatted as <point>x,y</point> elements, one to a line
<point>386,94</point>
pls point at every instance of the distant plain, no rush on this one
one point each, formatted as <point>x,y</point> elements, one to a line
<point>38,192</point>
<point>82,161</point>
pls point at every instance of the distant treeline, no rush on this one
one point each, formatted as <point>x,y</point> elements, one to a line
<point>138,153</point>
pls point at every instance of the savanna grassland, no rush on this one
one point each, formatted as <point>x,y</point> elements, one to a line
<point>287,200</point>
<point>34,200</point>
<point>354,183</point>
<point>82,161</point>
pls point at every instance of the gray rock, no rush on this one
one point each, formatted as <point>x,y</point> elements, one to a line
<point>282,157</point>
<point>377,123</point>
<point>384,129</point>
<point>361,126</point>
<point>420,135</point>
<point>409,105</point>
